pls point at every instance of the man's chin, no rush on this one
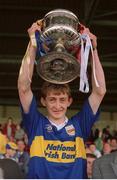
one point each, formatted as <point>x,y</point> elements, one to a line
<point>57,117</point>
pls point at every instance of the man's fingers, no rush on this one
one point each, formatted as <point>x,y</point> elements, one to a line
<point>33,28</point>
<point>40,22</point>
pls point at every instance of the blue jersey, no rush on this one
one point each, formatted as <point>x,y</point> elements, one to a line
<point>58,154</point>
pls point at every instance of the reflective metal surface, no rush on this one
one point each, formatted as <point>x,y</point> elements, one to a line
<point>58,68</point>
<point>60,65</point>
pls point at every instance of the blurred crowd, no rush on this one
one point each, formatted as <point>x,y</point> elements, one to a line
<point>14,145</point>
<point>100,143</point>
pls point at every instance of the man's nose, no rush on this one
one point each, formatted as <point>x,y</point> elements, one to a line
<point>58,104</point>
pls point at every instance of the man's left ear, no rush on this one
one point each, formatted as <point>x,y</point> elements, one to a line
<point>70,101</point>
<point>43,102</point>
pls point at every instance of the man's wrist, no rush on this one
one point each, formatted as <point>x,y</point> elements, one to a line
<point>33,40</point>
<point>94,48</point>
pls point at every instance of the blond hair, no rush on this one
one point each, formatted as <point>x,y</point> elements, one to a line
<point>58,88</point>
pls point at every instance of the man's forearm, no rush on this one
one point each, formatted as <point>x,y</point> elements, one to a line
<point>99,75</point>
<point>27,66</point>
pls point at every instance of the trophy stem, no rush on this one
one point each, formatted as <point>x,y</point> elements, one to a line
<point>60,48</point>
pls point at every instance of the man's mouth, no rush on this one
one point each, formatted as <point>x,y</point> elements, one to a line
<point>57,112</point>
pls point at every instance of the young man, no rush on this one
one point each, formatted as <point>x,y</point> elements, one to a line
<point>56,143</point>
<point>90,160</point>
<point>23,156</point>
<point>105,167</point>
<point>11,150</point>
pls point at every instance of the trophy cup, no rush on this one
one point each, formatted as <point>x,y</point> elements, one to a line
<point>59,42</point>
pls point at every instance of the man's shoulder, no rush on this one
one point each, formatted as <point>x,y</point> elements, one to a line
<point>107,158</point>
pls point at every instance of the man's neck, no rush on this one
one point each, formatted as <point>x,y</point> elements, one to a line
<point>59,124</point>
<point>57,121</point>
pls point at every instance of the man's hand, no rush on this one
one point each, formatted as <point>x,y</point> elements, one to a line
<point>91,35</point>
<point>31,31</point>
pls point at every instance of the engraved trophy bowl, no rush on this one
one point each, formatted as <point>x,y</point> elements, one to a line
<point>60,35</point>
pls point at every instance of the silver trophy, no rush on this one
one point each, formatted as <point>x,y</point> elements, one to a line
<point>61,39</point>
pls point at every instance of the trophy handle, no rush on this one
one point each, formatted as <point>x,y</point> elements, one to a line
<point>80,28</point>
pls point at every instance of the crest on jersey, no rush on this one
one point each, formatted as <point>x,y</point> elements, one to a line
<point>70,130</point>
<point>48,127</point>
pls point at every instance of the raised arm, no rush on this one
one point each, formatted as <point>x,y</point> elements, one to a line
<point>26,70</point>
<point>97,92</point>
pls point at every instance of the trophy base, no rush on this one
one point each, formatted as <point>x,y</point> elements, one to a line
<point>58,67</point>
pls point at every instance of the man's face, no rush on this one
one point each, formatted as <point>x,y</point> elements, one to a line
<point>106,148</point>
<point>21,146</point>
<point>90,166</point>
<point>56,104</point>
<point>113,143</point>
<point>92,147</point>
<point>10,152</point>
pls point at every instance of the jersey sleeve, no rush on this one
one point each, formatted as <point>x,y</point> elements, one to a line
<point>86,119</point>
<point>31,119</point>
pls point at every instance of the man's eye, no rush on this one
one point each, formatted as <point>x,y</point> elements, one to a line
<point>63,100</point>
<point>51,100</point>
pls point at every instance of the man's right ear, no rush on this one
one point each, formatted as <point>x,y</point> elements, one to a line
<point>43,102</point>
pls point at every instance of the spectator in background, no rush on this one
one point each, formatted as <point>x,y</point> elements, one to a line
<point>106,148</point>
<point>88,151</point>
<point>96,134</point>
<point>90,160</point>
<point>19,132</point>
<point>11,149</point>
<point>3,142</point>
<point>9,169</point>
<point>105,167</point>
<point>115,133</point>
<point>11,139</point>
<point>1,173</point>
<point>99,142</point>
<point>23,156</point>
<point>106,133</point>
<point>113,144</point>
<point>94,151</point>
<point>9,128</point>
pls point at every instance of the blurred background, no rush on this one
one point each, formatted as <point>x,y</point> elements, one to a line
<point>17,16</point>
